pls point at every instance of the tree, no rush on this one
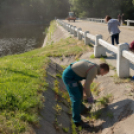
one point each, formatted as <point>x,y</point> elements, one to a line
<point>101,8</point>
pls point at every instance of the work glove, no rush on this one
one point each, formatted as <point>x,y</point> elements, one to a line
<point>91,100</point>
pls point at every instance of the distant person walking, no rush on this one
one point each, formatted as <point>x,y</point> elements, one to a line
<point>122,19</point>
<point>113,29</point>
<point>119,18</point>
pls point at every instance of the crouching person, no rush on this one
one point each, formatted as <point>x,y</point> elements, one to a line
<point>72,76</point>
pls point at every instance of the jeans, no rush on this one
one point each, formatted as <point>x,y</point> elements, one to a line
<point>75,90</point>
<point>115,38</point>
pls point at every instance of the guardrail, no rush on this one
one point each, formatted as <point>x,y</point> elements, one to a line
<point>96,20</point>
<point>129,21</point>
<point>103,21</point>
<point>124,57</point>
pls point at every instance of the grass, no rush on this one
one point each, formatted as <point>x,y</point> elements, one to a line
<point>73,127</point>
<point>118,80</point>
<point>51,29</point>
<point>22,83</point>
<point>59,75</point>
<point>110,115</point>
<point>94,88</point>
<point>92,56</point>
<point>66,130</point>
<point>103,101</point>
<point>95,115</point>
<point>103,60</point>
<point>58,109</point>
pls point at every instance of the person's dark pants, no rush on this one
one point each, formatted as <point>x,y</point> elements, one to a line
<point>115,38</point>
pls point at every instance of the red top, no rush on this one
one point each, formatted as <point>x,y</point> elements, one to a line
<point>132,46</point>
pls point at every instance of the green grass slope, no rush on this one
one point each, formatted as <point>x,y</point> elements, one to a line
<point>22,81</point>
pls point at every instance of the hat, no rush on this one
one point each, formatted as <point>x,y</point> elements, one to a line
<point>132,46</point>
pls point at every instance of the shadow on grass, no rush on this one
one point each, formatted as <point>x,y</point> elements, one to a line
<point>21,72</point>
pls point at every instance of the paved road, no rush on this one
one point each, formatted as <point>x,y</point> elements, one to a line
<point>126,35</point>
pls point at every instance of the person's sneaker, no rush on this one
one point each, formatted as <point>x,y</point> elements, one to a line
<point>82,124</point>
<point>86,111</point>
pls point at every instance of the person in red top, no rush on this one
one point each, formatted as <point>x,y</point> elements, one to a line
<point>131,46</point>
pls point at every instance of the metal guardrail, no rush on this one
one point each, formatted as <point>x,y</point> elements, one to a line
<point>124,57</point>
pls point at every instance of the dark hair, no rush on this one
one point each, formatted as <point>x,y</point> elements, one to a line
<point>107,18</point>
<point>104,66</point>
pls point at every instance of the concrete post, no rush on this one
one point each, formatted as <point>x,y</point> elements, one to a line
<point>128,23</point>
<point>75,32</point>
<point>86,39</point>
<point>79,34</point>
<point>68,28</point>
<point>72,29</point>
<point>123,64</point>
<point>98,49</point>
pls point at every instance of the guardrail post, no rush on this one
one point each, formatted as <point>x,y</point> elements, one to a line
<point>86,39</point>
<point>98,49</point>
<point>123,65</point>
<point>75,32</point>
<point>128,23</point>
<point>72,30</point>
<point>79,34</point>
<point>68,29</point>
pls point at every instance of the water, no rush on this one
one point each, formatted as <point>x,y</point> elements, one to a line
<point>20,38</point>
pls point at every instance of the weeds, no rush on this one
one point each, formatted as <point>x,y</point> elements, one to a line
<point>51,29</point>
<point>103,60</point>
<point>92,56</point>
<point>95,115</point>
<point>73,127</point>
<point>59,75</point>
<point>66,130</point>
<point>110,115</point>
<point>118,80</point>
<point>58,108</point>
<point>105,100</point>
<point>94,88</point>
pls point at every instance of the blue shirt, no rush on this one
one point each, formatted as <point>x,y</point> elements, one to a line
<point>113,26</point>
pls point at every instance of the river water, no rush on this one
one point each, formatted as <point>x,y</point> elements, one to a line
<point>20,38</point>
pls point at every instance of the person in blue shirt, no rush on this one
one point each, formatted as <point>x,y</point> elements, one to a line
<point>113,28</point>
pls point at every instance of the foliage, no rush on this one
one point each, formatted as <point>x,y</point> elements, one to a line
<point>96,8</point>
<point>118,80</point>
<point>33,9</point>
<point>105,100</point>
<point>110,115</point>
<point>21,86</point>
<point>22,83</point>
<point>94,88</point>
<point>92,56</point>
<point>66,130</point>
<point>95,115</point>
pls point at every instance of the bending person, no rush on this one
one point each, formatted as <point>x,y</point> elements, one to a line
<point>113,29</point>
<point>72,76</point>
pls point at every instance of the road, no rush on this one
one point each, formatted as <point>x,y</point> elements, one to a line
<point>126,35</point>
